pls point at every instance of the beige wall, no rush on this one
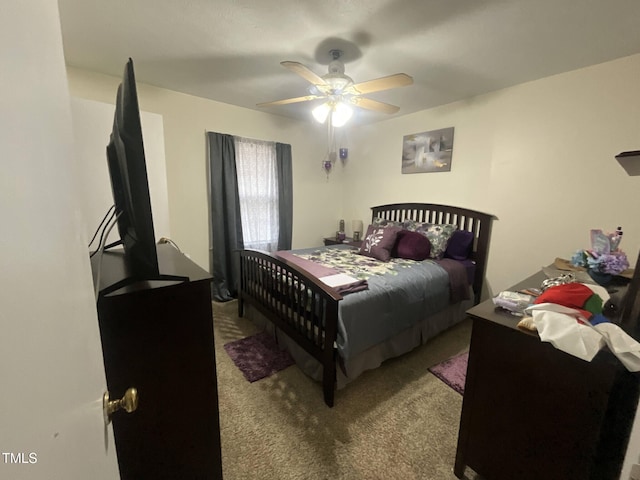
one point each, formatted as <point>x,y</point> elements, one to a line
<point>539,156</point>
<point>317,200</point>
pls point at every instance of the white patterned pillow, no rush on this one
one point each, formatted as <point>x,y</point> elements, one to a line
<point>383,222</point>
<point>438,235</point>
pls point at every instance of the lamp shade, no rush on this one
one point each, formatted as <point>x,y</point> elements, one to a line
<point>341,114</point>
<point>321,112</point>
<point>356,225</point>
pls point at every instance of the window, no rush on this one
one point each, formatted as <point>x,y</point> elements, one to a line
<point>256,167</point>
<point>251,203</point>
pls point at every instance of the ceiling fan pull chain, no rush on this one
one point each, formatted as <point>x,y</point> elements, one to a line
<point>331,156</point>
<point>332,139</point>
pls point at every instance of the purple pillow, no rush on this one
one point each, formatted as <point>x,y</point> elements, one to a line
<point>411,245</point>
<point>459,246</point>
<point>379,241</point>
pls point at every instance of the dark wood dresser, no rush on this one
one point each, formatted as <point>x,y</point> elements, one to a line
<point>157,336</point>
<point>531,411</point>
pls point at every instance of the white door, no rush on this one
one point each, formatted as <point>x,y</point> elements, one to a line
<point>51,371</point>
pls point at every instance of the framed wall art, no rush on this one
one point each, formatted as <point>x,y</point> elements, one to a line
<point>427,151</point>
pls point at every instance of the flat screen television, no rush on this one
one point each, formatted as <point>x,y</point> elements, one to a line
<point>129,183</point>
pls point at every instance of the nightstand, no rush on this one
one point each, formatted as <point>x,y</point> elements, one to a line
<point>347,241</point>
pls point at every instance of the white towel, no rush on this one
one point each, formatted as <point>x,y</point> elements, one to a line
<point>567,330</point>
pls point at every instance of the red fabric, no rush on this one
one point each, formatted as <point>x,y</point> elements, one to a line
<point>572,295</point>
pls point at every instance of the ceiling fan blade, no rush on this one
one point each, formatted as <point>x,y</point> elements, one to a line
<point>378,84</point>
<point>375,105</point>
<point>287,101</point>
<point>304,72</point>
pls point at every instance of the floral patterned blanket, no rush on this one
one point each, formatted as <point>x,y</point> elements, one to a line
<point>350,262</point>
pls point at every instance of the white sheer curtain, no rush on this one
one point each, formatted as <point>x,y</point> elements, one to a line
<point>258,192</point>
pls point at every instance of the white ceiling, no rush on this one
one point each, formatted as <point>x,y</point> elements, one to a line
<point>230,51</point>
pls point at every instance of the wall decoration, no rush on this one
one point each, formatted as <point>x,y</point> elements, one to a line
<point>427,151</point>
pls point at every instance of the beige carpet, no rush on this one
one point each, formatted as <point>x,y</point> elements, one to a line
<point>396,422</point>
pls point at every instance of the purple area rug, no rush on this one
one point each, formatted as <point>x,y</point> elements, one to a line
<point>453,372</point>
<point>258,356</point>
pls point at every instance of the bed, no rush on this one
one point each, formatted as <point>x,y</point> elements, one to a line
<point>392,308</point>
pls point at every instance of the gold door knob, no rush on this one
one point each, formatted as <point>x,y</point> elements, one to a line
<point>128,403</point>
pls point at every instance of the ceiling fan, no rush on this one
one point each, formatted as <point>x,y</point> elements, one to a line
<point>340,92</point>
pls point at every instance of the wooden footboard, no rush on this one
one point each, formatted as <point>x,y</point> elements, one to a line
<point>300,305</point>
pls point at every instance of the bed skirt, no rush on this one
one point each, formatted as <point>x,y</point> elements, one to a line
<point>419,334</point>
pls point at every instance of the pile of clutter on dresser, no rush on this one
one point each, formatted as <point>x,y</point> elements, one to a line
<point>569,308</point>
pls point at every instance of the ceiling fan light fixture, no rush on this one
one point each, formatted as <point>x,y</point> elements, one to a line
<point>335,86</point>
<point>341,114</point>
<point>321,112</point>
<point>338,83</point>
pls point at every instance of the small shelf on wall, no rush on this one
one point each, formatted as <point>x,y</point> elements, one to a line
<point>630,161</point>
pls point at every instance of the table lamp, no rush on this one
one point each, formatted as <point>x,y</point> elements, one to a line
<point>356,226</point>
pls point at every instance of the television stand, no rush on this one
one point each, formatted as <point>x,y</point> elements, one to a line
<point>157,336</point>
<point>126,278</point>
<point>135,283</point>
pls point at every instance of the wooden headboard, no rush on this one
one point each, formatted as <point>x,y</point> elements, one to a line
<point>471,220</point>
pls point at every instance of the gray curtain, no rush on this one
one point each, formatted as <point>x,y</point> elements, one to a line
<point>285,195</point>
<point>225,224</point>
